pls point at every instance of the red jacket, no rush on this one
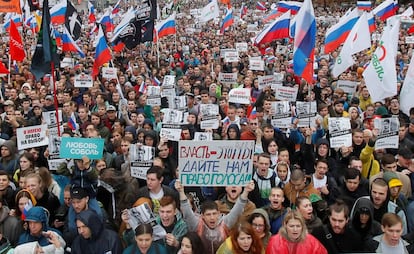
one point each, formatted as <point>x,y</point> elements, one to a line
<point>311,245</point>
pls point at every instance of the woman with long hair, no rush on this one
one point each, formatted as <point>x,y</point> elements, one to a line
<point>294,238</point>
<point>259,220</point>
<point>243,239</point>
<point>304,206</point>
<point>191,244</point>
<point>144,243</point>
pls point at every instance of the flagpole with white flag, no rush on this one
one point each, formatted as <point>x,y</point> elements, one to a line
<point>357,40</point>
<point>210,11</point>
<point>407,90</point>
<point>380,75</point>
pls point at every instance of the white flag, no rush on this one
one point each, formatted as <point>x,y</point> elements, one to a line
<point>210,11</point>
<point>357,40</point>
<point>407,90</point>
<point>408,12</point>
<point>381,75</point>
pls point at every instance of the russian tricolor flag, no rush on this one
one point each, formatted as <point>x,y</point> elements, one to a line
<point>385,10</point>
<point>278,29</point>
<point>166,27</point>
<point>92,17</point>
<point>371,22</point>
<point>337,33</point>
<point>227,21</point>
<point>261,6</point>
<point>106,21</point>
<point>117,7</point>
<point>69,45</point>
<point>58,12</point>
<point>72,122</point>
<point>364,5</point>
<point>102,53</point>
<point>17,20</point>
<point>304,42</point>
<point>155,81</point>
<point>293,6</point>
<point>272,15</point>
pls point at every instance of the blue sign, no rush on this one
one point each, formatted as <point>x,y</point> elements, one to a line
<point>76,148</point>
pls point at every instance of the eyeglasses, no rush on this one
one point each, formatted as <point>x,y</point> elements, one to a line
<point>253,123</point>
<point>258,225</point>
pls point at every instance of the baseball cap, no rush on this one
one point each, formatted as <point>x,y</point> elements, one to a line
<point>111,108</point>
<point>49,97</point>
<point>243,121</point>
<point>78,193</point>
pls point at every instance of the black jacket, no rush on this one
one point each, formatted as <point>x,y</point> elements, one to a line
<point>101,241</point>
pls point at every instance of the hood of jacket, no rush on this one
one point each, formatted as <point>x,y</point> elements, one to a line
<point>264,214</point>
<point>92,221</point>
<point>38,214</point>
<point>362,205</point>
<point>11,145</point>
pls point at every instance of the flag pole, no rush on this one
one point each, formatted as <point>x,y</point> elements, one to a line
<point>9,75</point>
<point>52,67</point>
<point>158,49</point>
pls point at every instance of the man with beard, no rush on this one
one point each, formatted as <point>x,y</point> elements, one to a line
<point>338,236</point>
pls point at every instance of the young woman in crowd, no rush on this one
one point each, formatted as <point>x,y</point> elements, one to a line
<point>294,238</point>
<point>243,239</point>
<point>191,244</point>
<point>144,243</point>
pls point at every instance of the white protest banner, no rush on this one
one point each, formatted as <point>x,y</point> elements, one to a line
<point>252,28</point>
<point>224,51</point>
<point>169,92</point>
<point>215,163</point>
<point>55,164</point>
<point>67,62</point>
<point>256,64</point>
<point>32,136</point>
<point>169,81</point>
<point>281,114</point>
<point>265,81</point>
<point>83,80</point>
<point>109,72</point>
<point>227,78</point>
<point>241,47</point>
<point>286,93</point>
<point>141,160</point>
<point>171,134</point>
<point>231,57</point>
<point>203,136</point>
<point>388,132</point>
<point>409,40</point>
<point>279,76</point>
<point>348,86</point>
<point>209,114</point>
<point>339,132</point>
<point>239,95</point>
<point>306,113</point>
<point>153,95</point>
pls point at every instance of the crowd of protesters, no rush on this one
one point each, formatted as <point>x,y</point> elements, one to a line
<point>304,197</point>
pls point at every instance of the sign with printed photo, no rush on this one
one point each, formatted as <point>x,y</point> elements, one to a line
<point>340,133</point>
<point>141,158</point>
<point>281,114</point>
<point>209,114</point>
<point>215,163</point>
<point>203,136</point>
<point>169,81</point>
<point>171,134</point>
<point>388,132</point>
<point>306,113</point>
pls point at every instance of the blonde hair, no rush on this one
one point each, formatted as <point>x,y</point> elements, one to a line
<point>293,215</point>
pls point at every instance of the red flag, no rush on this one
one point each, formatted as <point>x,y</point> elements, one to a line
<point>10,6</point>
<point>3,69</point>
<point>410,30</point>
<point>16,45</point>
